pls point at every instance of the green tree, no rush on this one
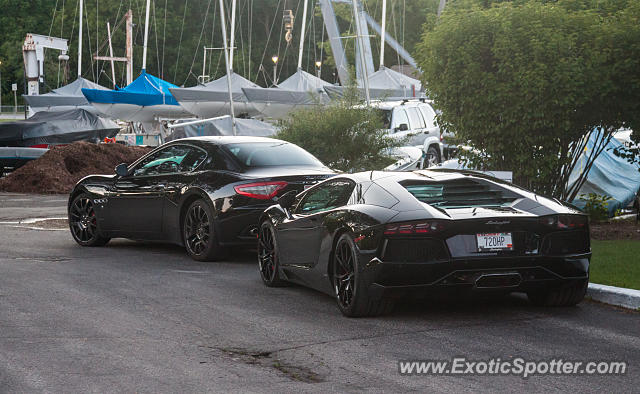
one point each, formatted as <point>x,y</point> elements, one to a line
<point>345,135</point>
<point>527,82</point>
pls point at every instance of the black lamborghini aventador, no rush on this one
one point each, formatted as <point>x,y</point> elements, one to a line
<point>368,238</point>
<point>204,193</point>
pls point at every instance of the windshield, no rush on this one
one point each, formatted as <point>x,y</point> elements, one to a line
<point>272,154</point>
<point>461,193</point>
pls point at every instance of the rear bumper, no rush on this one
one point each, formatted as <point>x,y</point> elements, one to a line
<point>490,274</point>
<point>239,226</point>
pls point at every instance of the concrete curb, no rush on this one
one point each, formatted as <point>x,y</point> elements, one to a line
<point>619,296</point>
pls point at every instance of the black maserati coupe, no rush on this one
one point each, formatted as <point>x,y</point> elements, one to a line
<point>204,193</point>
<point>368,238</point>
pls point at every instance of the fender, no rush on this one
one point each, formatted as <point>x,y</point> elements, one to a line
<point>172,221</point>
<point>433,140</point>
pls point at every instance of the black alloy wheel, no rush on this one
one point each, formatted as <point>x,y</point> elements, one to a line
<point>268,256</point>
<point>198,232</point>
<point>83,222</point>
<point>350,289</point>
<point>344,273</point>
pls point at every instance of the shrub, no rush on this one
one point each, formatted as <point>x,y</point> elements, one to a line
<point>342,135</point>
<point>596,206</point>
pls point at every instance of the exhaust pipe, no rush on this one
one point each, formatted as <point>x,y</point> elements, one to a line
<point>498,280</point>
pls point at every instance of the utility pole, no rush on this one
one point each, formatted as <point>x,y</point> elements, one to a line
<point>129,52</point>
<point>226,59</point>
<point>384,32</point>
<point>80,42</point>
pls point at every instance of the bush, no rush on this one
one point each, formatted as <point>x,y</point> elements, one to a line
<point>596,206</point>
<point>343,136</point>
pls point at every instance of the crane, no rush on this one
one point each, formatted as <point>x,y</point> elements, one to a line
<point>33,54</point>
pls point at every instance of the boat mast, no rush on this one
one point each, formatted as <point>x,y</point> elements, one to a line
<point>304,24</point>
<point>80,42</point>
<point>146,37</point>
<point>365,74</point>
<point>226,60</point>
<point>233,32</point>
<point>384,31</point>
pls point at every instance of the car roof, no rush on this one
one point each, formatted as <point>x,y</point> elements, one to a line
<point>390,104</point>
<point>228,139</point>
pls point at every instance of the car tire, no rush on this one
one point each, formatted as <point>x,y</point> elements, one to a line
<point>432,157</point>
<point>569,295</point>
<point>198,232</point>
<point>83,222</point>
<point>350,291</point>
<point>268,256</point>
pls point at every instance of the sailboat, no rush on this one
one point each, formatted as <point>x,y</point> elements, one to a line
<point>145,100</point>
<point>301,90</point>
<point>212,98</point>
<point>64,98</point>
<point>384,84</point>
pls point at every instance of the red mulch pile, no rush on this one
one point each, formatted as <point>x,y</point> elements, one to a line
<point>58,170</point>
<point>616,230</point>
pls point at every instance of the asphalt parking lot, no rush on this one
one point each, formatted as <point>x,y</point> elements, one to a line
<point>143,317</point>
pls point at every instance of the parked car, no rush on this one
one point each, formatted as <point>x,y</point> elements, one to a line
<point>414,120</point>
<point>204,193</point>
<point>370,237</point>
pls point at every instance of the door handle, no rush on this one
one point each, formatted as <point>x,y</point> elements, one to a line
<point>159,187</point>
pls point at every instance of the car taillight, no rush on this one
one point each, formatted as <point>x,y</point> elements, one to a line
<point>260,190</point>
<point>564,222</point>
<point>414,228</point>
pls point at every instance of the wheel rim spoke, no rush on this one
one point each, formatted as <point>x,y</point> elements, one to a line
<point>197,229</point>
<point>343,273</point>
<point>82,220</point>
<point>266,254</point>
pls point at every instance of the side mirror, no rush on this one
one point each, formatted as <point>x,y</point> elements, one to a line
<point>403,127</point>
<point>122,169</point>
<point>286,200</point>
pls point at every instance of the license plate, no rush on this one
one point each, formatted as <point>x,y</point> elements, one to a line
<point>494,241</point>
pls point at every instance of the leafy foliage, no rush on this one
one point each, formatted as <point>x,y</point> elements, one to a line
<point>596,206</point>
<point>527,82</point>
<point>343,135</point>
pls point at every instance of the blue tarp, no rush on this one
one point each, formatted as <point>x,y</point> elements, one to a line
<point>610,175</point>
<point>146,90</point>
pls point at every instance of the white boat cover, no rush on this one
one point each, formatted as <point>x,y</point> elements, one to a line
<point>64,98</point>
<point>299,90</point>
<point>384,84</point>
<point>212,98</point>
<point>222,126</point>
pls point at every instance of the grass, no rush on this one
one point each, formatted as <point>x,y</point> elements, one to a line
<point>616,263</point>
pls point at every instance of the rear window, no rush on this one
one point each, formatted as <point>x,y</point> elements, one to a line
<point>272,154</point>
<point>461,193</point>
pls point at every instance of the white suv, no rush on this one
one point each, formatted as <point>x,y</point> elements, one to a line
<point>414,120</point>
